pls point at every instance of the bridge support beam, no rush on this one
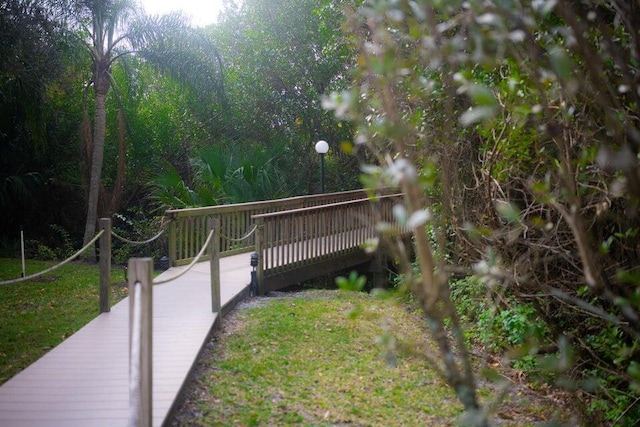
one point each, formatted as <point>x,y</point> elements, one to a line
<point>378,268</point>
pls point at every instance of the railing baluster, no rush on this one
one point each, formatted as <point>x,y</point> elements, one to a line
<point>314,234</point>
<point>185,239</point>
<point>304,236</point>
<point>343,231</point>
<point>280,240</point>
<point>270,243</point>
<point>172,241</point>
<point>194,236</point>
<point>298,240</point>
<point>203,231</point>
<point>229,228</point>
<point>289,241</point>
<point>275,243</point>
<point>188,237</point>
<point>330,226</point>
<point>180,239</point>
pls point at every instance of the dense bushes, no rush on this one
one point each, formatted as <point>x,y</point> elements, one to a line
<point>515,125</point>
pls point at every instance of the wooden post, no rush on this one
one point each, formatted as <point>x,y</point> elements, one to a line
<point>379,264</point>
<point>105,265</point>
<point>172,242</point>
<point>141,282</point>
<point>261,254</point>
<point>214,263</point>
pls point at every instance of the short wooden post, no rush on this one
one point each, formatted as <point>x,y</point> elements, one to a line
<point>214,263</point>
<point>172,241</point>
<point>141,358</point>
<point>261,256</point>
<point>105,265</point>
<point>379,264</point>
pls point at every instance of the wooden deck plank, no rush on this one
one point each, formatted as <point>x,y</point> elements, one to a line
<point>84,381</point>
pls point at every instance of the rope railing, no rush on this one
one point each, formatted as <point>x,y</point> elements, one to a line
<point>55,267</point>
<point>134,359</point>
<point>133,242</point>
<point>190,266</point>
<point>245,237</point>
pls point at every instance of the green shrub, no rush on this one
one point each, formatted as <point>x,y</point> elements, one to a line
<point>134,225</point>
<point>57,245</point>
<point>42,252</point>
<point>498,327</point>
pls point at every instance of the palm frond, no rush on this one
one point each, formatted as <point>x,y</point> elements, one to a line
<point>18,188</point>
<point>185,53</point>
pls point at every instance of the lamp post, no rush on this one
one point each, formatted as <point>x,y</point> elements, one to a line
<point>321,148</point>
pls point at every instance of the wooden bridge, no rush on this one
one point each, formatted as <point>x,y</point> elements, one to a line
<point>85,380</point>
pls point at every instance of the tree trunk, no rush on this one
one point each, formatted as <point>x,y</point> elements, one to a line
<point>99,129</point>
<point>118,188</point>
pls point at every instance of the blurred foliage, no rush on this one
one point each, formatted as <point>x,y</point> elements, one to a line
<point>519,121</point>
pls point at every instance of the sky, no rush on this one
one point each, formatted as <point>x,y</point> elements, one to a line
<point>202,12</point>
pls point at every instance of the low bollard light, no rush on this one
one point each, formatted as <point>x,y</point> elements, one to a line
<point>254,277</point>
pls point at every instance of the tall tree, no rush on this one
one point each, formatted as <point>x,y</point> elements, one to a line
<point>29,61</point>
<point>111,29</point>
<point>280,56</point>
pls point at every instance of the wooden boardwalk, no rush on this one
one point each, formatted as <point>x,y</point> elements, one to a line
<point>84,381</point>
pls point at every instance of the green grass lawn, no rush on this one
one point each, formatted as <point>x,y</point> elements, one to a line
<point>332,358</point>
<point>37,315</point>
<point>308,361</point>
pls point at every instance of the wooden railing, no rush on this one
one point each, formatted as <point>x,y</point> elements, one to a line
<point>305,240</point>
<point>188,227</point>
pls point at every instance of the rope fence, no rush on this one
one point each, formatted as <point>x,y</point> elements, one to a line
<point>54,267</point>
<point>190,266</point>
<point>245,237</point>
<point>133,242</point>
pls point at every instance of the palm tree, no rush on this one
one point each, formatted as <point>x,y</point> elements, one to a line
<point>110,30</point>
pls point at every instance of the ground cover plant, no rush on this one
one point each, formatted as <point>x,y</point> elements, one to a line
<point>327,357</point>
<point>37,315</point>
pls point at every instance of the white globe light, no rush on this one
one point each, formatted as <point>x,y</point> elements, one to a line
<point>322,147</point>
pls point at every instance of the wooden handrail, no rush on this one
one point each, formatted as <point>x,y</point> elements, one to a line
<point>303,200</point>
<point>188,227</point>
<point>327,206</point>
<point>300,238</point>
